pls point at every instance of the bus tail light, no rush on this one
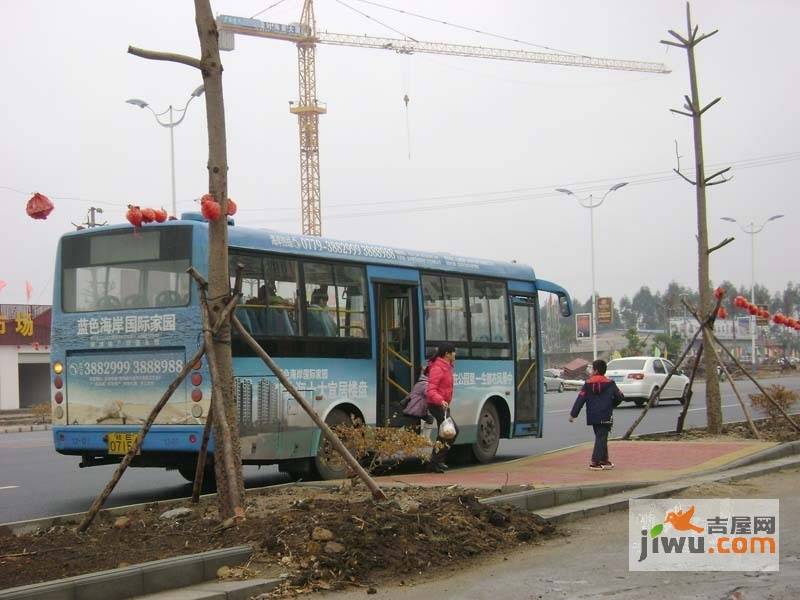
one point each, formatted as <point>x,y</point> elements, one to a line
<point>58,367</point>
<point>59,397</point>
<point>192,438</point>
<point>197,379</point>
<point>58,382</point>
<point>638,376</point>
<point>197,395</point>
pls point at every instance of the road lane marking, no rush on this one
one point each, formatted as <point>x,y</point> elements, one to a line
<point>8,487</point>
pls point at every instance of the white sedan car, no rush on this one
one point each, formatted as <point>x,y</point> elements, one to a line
<point>553,381</point>
<point>639,377</point>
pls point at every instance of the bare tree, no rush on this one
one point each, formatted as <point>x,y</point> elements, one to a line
<point>694,111</point>
<point>226,428</point>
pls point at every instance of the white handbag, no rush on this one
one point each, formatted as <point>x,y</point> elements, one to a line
<point>447,429</point>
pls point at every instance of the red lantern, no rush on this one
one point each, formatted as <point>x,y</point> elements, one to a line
<point>39,206</point>
<point>722,313</point>
<point>148,215</point>
<point>764,314</point>
<point>740,301</point>
<point>778,319</point>
<point>134,215</point>
<point>231,207</point>
<point>719,293</point>
<point>752,309</point>
<point>210,208</point>
<point>161,215</point>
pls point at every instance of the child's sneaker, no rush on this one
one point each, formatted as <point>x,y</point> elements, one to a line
<point>595,467</point>
<point>607,465</point>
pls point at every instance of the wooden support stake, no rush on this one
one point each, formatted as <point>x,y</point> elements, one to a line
<point>329,435</point>
<point>685,409</point>
<point>758,385</point>
<point>639,419</point>
<point>200,468</point>
<point>747,416</point>
<point>126,461</point>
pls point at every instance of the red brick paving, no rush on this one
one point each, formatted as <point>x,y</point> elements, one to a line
<point>634,460</point>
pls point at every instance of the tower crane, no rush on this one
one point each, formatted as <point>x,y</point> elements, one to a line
<point>308,108</point>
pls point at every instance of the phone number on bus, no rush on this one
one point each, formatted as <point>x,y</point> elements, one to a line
<point>123,367</point>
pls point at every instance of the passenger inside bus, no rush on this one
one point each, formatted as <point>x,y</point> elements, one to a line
<point>320,320</point>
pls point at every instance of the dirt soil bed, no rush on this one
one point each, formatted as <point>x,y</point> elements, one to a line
<point>771,430</point>
<point>320,539</point>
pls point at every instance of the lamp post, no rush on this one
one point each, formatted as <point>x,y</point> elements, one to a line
<point>751,229</point>
<point>591,203</point>
<point>171,124</point>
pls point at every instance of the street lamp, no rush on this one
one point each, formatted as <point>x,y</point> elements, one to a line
<point>591,203</point>
<point>751,229</point>
<point>171,124</point>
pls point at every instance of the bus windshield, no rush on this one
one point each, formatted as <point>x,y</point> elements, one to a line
<point>117,270</point>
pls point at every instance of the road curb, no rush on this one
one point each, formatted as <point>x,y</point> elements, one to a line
<point>590,508</point>
<point>147,578</point>
<point>24,428</point>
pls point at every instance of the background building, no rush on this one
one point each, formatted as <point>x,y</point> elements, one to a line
<point>24,355</point>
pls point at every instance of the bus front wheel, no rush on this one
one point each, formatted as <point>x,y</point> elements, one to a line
<point>488,434</point>
<point>328,463</point>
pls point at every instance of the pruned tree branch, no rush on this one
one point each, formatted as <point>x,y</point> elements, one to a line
<point>710,183</point>
<point>168,56</point>
<point>689,105</point>
<point>685,177</point>
<point>709,105</point>
<point>724,242</point>
<point>717,174</point>
<point>678,37</point>
<point>704,36</point>
<point>680,112</point>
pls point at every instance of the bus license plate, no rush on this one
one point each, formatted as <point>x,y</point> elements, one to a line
<point>121,443</point>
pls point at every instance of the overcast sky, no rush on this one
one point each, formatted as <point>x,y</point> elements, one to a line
<point>489,140</point>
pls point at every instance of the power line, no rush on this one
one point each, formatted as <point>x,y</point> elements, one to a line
<point>471,29</point>
<point>261,12</point>
<point>363,14</point>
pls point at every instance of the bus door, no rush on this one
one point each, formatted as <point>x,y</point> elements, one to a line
<point>398,355</point>
<point>527,405</point>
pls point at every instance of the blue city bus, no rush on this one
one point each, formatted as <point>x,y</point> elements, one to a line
<point>351,325</point>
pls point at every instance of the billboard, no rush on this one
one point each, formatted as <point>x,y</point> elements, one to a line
<point>583,326</point>
<point>605,310</point>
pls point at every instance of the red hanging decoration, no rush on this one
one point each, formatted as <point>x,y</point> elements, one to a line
<point>210,208</point>
<point>231,207</point>
<point>39,206</point>
<point>719,292</point>
<point>752,309</point>
<point>161,215</point>
<point>148,215</point>
<point>134,215</point>
<point>722,313</point>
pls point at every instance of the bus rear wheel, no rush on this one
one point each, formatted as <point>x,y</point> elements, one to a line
<point>209,477</point>
<point>488,434</point>
<point>328,463</point>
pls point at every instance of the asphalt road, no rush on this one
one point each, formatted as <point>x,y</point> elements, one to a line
<point>35,481</point>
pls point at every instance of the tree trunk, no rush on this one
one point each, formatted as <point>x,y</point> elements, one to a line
<point>218,279</point>
<point>713,404</point>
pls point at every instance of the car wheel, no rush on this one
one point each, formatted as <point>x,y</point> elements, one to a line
<point>655,398</point>
<point>488,434</point>
<point>685,396</point>
<point>328,463</point>
<point>639,402</point>
<point>560,387</point>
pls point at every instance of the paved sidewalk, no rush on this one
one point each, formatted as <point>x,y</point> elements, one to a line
<point>635,461</point>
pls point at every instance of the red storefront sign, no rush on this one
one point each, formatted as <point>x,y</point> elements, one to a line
<point>25,324</point>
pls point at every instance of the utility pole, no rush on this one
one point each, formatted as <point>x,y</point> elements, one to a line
<point>91,219</point>
<point>694,111</point>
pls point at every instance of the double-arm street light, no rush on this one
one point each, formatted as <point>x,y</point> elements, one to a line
<point>752,229</point>
<point>171,124</point>
<point>591,203</point>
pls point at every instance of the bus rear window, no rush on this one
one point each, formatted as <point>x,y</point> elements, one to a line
<point>121,270</point>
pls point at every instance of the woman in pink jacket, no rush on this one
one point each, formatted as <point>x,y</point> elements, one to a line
<point>440,395</point>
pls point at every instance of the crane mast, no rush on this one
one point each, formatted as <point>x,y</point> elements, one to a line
<point>308,108</point>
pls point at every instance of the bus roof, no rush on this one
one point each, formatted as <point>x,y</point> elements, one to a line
<point>302,245</point>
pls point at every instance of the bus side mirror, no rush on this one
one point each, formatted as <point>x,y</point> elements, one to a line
<point>563,305</point>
